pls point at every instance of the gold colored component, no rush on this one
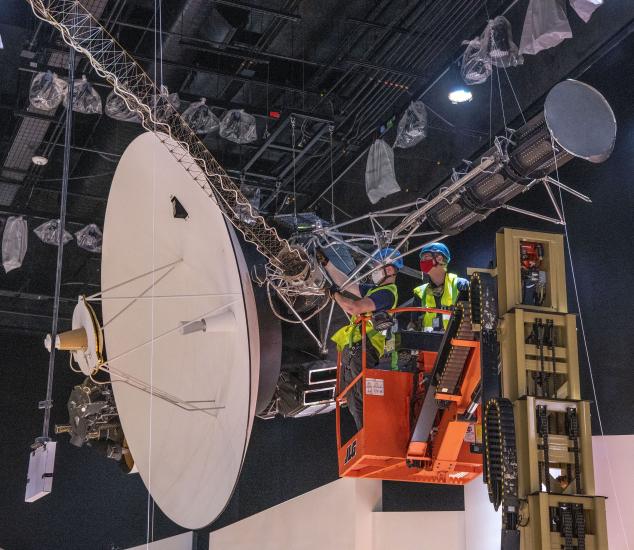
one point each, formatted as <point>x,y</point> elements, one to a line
<point>552,425</point>
<point>72,340</point>
<point>521,361</point>
<point>539,534</point>
<point>63,428</point>
<point>98,330</point>
<point>530,456</point>
<point>507,245</point>
<point>127,455</point>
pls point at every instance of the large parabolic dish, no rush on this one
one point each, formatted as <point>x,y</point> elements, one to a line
<point>180,317</point>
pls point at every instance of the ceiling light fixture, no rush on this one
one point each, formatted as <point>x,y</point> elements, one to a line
<point>460,96</point>
<point>39,160</point>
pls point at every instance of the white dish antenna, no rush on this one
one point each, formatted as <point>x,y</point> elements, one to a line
<point>179,317</point>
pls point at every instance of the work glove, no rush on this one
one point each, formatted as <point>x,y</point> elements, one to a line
<point>411,326</point>
<point>330,291</point>
<point>321,257</point>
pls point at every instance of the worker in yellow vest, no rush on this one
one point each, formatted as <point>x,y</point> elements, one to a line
<point>441,292</point>
<point>378,297</point>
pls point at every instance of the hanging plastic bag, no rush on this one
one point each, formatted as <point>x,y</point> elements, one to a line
<point>172,98</point>
<point>412,128</point>
<point>238,126</point>
<point>48,233</point>
<point>14,243</point>
<point>166,105</point>
<point>585,8</point>
<point>47,91</point>
<point>545,26</point>
<point>476,65</point>
<point>165,102</point>
<point>380,179</point>
<point>86,100</point>
<point>117,109</point>
<point>497,40</point>
<point>90,238</point>
<point>253,195</point>
<point>200,118</point>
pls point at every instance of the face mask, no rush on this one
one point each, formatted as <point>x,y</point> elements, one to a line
<point>378,276</point>
<point>427,265</point>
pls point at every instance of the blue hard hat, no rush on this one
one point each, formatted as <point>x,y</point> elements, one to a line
<point>394,260</point>
<point>438,248</point>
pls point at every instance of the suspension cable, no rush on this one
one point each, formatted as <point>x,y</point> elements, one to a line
<point>61,229</point>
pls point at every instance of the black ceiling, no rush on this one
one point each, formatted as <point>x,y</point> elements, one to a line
<point>326,65</point>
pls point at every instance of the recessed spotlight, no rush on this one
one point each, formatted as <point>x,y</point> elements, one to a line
<point>39,160</point>
<point>460,96</point>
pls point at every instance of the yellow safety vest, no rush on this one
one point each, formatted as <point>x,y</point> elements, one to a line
<point>449,298</point>
<point>351,333</point>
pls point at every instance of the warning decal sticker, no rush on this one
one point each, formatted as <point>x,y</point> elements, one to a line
<point>374,386</point>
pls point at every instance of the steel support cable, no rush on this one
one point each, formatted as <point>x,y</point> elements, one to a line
<point>350,43</point>
<point>367,83</point>
<point>35,172</point>
<point>460,16</point>
<point>83,33</point>
<point>264,41</point>
<point>587,349</point>
<point>408,55</point>
<point>391,95</point>
<point>352,103</point>
<point>371,83</point>
<point>53,142</point>
<point>385,104</point>
<point>318,170</point>
<point>403,56</point>
<point>378,88</point>
<point>48,404</point>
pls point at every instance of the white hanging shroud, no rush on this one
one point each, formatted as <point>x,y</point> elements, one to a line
<point>585,8</point>
<point>545,26</point>
<point>14,243</point>
<point>380,179</point>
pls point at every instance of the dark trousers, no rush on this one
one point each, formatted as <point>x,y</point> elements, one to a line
<point>352,365</point>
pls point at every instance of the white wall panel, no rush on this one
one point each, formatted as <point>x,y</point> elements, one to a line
<point>337,515</point>
<point>482,522</point>
<point>179,542</point>
<point>419,531</point>
<point>613,457</point>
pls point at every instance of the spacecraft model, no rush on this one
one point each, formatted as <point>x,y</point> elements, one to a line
<point>183,320</point>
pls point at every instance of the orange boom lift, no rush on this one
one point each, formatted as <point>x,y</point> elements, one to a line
<point>421,422</point>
